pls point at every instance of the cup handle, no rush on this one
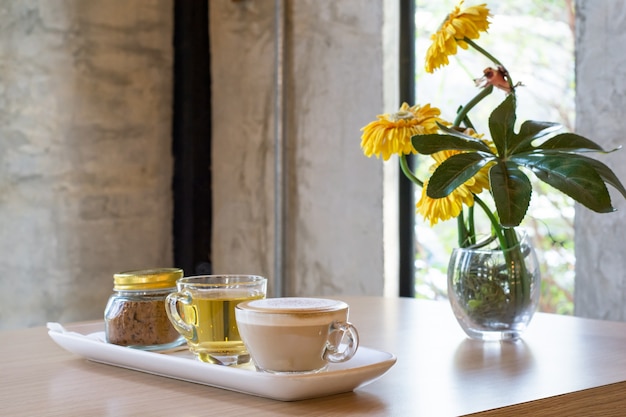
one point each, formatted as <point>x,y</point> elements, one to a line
<point>343,341</point>
<point>171,308</point>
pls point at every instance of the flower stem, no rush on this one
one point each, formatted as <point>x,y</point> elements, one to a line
<point>462,236</point>
<point>519,276</point>
<point>462,114</point>
<point>471,226</point>
<point>404,165</point>
<point>497,229</point>
<point>482,51</point>
<point>467,237</point>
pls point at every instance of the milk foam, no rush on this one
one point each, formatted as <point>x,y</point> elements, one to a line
<point>292,311</point>
<point>296,303</point>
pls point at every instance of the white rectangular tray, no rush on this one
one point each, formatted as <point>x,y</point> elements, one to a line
<point>88,340</point>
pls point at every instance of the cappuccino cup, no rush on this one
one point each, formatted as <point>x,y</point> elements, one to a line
<point>296,335</point>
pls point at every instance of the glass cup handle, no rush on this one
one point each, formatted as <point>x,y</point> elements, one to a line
<point>343,341</point>
<point>171,308</point>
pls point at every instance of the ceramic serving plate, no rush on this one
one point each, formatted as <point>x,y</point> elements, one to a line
<point>87,340</point>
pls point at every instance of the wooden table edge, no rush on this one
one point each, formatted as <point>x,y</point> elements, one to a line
<point>606,400</point>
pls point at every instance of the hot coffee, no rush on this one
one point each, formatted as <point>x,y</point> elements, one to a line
<point>295,335</point>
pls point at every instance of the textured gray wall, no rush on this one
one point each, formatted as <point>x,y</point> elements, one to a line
<point>600,102</point>
<point>333,87</point>
<point>85,163</point>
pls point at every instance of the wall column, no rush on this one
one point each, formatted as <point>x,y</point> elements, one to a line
<point>85,154</point>
<point>333,231</point>
<point>600,290</point>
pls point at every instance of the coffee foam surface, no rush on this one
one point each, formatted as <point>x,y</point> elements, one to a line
<point>292,311</point>
<point>296,304</point>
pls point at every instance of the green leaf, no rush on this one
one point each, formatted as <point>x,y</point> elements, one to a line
<point>534,129</point>
<point>501,125</point>
<point>511,190</point>
<point>530,131</point>
<point>429,144</point>
<point>606,173</point>
<point>571,142</point>
<point>456,132</point>
<point>454,172</point>
<point>573,175</point>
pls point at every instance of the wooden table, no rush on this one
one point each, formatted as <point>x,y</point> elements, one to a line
<point>564,366</point>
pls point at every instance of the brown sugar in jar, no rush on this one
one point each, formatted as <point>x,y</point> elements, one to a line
<point>135,313</point>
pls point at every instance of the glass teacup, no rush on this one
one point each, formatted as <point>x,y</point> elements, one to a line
<point>203,311</point>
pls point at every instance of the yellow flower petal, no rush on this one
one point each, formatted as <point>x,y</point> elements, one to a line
<point>458,25</point>
<point>391,133</point>
<point>442,209</point>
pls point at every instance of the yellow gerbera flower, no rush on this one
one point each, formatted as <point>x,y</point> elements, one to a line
<point>391,133</point>
<point>457,26</point>
<point>442,209</point>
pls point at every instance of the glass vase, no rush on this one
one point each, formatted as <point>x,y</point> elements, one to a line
<point>493,292</point>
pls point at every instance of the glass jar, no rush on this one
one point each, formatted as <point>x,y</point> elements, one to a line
<point>135,313</point>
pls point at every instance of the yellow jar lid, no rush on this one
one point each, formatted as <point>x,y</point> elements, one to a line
<point>147,279</point>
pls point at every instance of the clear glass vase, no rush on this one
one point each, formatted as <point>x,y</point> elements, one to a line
<point>494,293</point>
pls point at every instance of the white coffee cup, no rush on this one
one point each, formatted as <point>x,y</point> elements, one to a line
<point>296,334</point>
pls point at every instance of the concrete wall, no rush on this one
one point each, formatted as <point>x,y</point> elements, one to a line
<point>85,160</point>
<point>85,150</point>
<point>600,102</point>
<point>333,86</point>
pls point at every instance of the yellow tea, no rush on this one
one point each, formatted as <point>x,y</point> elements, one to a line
<point>216,332</point>
<point>203,311</point>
